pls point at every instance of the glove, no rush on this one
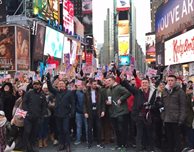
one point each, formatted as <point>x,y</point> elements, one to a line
<point>48,76</point>
<point>134,73</point>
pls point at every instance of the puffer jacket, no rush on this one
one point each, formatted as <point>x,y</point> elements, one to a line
<point>174,105</point>
<point>64,103</point>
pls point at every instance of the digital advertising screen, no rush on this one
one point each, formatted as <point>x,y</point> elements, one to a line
<point>47,9</point>
<point>124,60</point>
<point>123,45</point>
<point>150,48</point>
<point>53,44</point>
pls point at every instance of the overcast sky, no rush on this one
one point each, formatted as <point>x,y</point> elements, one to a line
<point>143,19</point>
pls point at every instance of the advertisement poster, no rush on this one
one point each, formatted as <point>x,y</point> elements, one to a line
<point>47,9</point>
<point>68,14</point>
<point>73,52</point>
<point>7,48</point>
<point>87,6</point>
<point>53,43</point>
<point>39,43</point>
<point>87,22</point>
<point>66,61</point>
<point>123,5</point>
<point>150,48</point>
<point>23,48</point>
<point>124,60</point>
<point>123,27</point>
<point>123,45</point>
<point>180,49</point>
<point>3,12</point>
<point>173,17</point>
<point>88,58</point>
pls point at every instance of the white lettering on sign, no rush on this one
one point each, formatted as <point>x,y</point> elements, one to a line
<point>176,14</point>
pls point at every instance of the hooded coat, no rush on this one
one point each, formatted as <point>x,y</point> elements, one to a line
<point>7,101</point>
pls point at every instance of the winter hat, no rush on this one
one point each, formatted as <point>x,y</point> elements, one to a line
<point>2,113</point>
<point>44,86</point>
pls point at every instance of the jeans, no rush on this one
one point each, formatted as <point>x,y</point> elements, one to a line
<point>44,128</point>
<point>63,130</point>
<point>81,122</point>
<point>120,125</point>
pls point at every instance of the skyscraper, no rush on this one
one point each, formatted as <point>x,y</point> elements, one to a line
<point>154,6</point>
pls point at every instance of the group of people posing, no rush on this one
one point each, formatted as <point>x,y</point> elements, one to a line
<point>146,114</point>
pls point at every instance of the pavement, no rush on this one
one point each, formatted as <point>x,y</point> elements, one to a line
<point>83,148</point>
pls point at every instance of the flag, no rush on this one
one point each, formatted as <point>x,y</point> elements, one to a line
<point>20,112</point>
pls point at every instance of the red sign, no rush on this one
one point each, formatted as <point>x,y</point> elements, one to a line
<point>68,14</point>
<point>89,58</point>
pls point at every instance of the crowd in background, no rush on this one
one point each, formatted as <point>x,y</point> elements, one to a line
<point>148,114</point>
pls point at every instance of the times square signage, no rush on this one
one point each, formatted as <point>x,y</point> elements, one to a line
<point>180,49</point>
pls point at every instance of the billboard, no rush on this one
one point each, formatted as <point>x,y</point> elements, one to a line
<point>22,48</point>
<point>180,49</point>
<point>123,27</point>
<point>79,27</point>
<point>68,14</point>
<point>124,60</point>
<point>3,12</point>
<point>123,5</point>
<point>53,44</point>
<point>86,6</point>
<point>172,17</point>
<point>47,9</point>
<point>39,43</point>
<point>160,53</point>
<point>7,48</point>
<point>123,45</point>
<point>150,48</point>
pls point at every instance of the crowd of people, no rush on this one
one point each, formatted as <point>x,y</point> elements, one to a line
<point>148,114</point>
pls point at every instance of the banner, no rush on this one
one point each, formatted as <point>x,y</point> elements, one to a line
<point>7,48</point>
<point>150,48</point>
<point>39,43</point>
<point>3,12</point>
<point>180,49</point>
<point>173,17</point>
<point>123,45</point>
<point>23,48</point>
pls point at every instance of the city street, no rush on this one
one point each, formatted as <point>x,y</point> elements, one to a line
<point>83,148</point>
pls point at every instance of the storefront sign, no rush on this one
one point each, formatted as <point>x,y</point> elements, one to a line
<point>180,49</point>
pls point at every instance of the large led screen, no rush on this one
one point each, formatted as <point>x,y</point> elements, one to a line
<point>124,60</point>
<point>53,43</point>
<point>47,9</point>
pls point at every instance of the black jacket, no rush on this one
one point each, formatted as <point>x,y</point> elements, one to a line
<point>64,103</point>
<point>139,99</point>
<point>35,104</point>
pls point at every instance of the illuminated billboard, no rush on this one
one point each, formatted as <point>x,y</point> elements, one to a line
<point>150,48</point>
<point>68,14</point>
<point>123,45</point>
<point>47,9</point>
<point>173,17</point>
<point>123,5</point>
<point>123,27</point>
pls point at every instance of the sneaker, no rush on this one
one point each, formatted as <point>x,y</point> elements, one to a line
<point>77,143</point>
<point>55,142</point>
<point>116,148</point>
<point>100,146</point>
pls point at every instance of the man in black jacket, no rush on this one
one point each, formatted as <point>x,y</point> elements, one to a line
<point>34,103</point>
<point>64,109</point>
